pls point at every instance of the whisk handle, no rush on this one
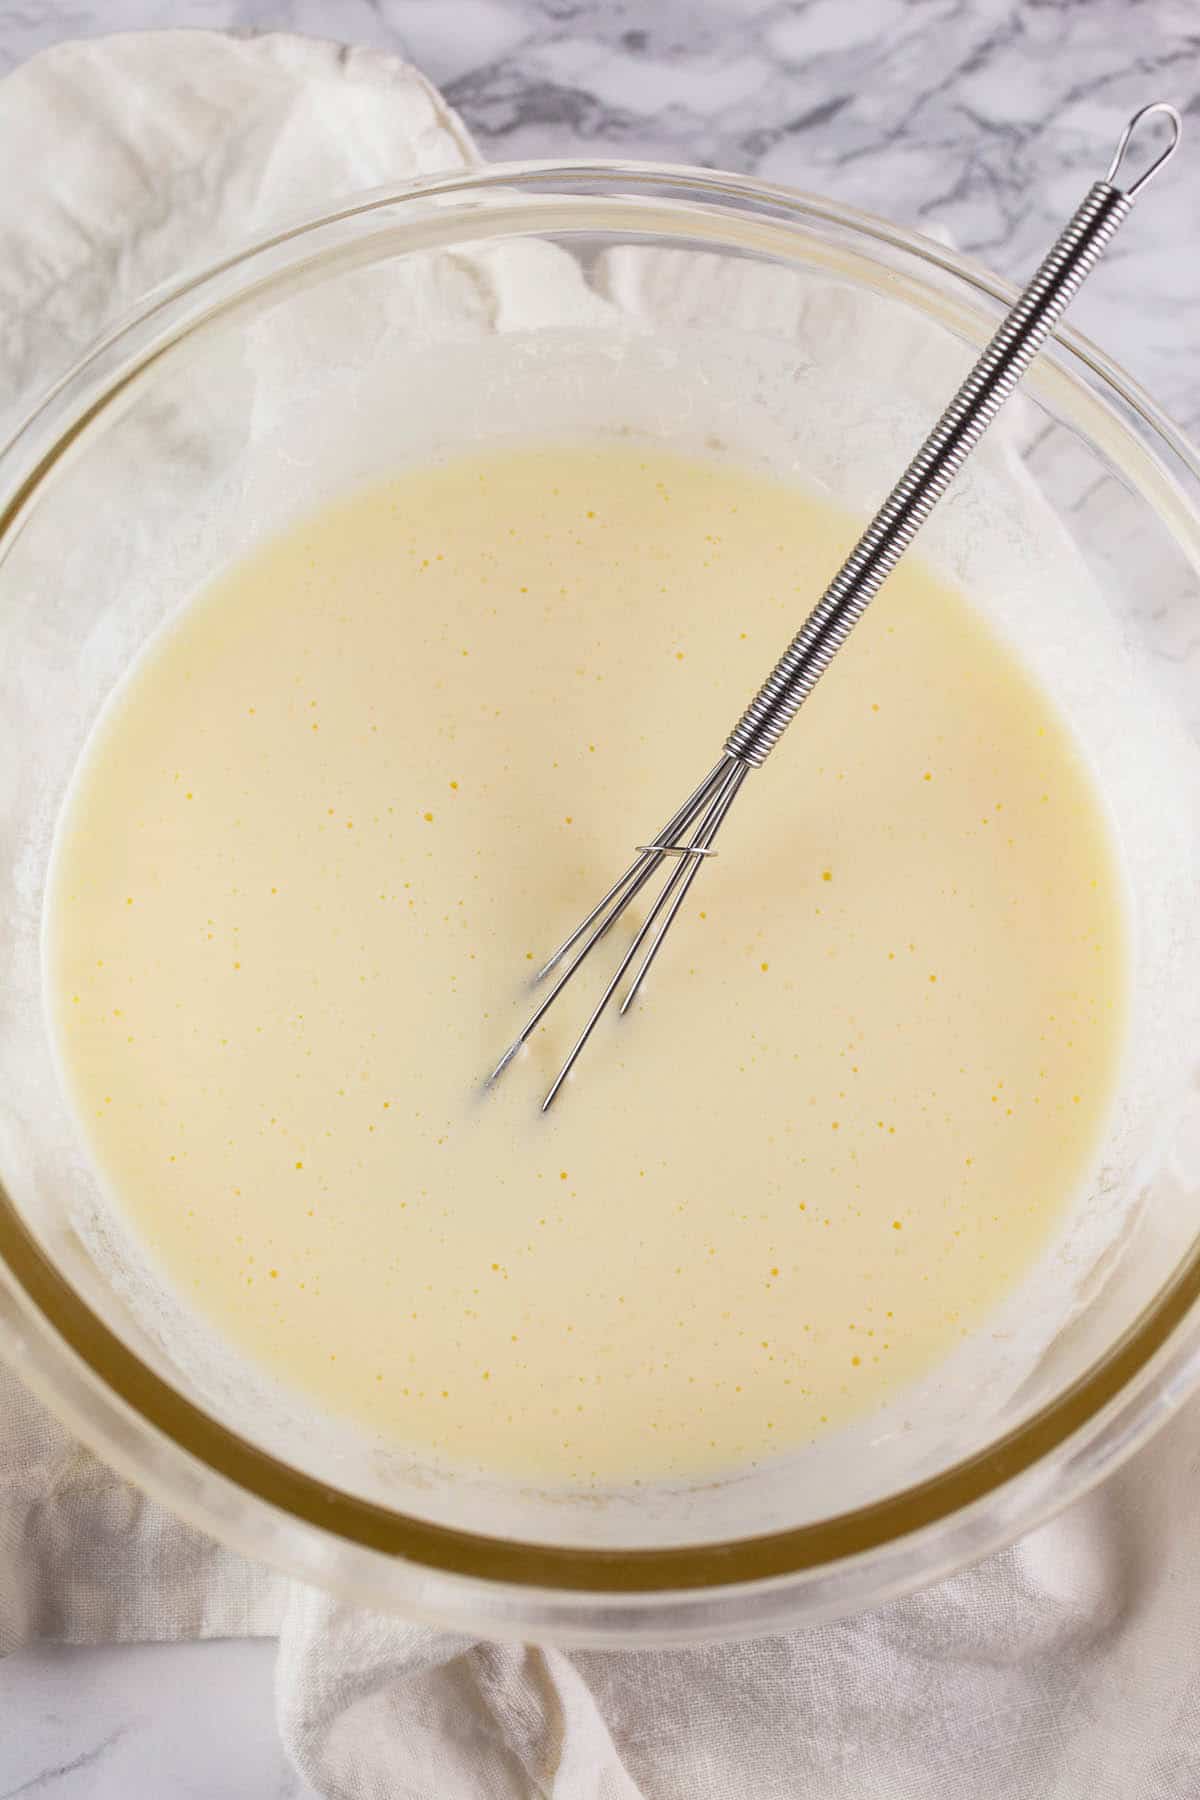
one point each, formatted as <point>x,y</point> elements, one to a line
<point>1017,341</point>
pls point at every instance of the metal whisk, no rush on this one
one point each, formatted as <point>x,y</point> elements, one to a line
<point>688,836</point>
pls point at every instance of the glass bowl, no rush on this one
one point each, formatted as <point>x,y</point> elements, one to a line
<point>705,312</point>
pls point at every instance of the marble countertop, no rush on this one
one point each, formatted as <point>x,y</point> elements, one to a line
<point>977,118</point>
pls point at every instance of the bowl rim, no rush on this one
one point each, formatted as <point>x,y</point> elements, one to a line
<point>1111,1404</point>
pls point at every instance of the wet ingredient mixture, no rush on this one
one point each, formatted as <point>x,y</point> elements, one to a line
<point>375,772</point>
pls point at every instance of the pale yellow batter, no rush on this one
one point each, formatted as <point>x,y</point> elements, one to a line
<point>377,771</point>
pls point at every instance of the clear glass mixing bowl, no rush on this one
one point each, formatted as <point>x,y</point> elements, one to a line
<point>702,311</point>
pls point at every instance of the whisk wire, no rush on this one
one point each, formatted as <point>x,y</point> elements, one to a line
<point>649,854</point>
<point>605,914</point>
<point>690,865</point>
<point>670,898</point>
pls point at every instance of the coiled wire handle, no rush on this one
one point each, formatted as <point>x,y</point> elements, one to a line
<point>1017,341</point>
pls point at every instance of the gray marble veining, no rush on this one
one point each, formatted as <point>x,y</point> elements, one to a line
<point>151,1722</point>
<point>981,119</point>
<point>978,118</point>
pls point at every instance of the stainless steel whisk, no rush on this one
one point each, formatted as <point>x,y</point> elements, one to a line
<point>1017,341</point>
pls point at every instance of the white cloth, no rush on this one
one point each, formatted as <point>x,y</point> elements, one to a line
<point>1068,1667</point>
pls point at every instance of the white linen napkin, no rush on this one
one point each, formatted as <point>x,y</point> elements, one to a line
<point>1068,1667</point>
